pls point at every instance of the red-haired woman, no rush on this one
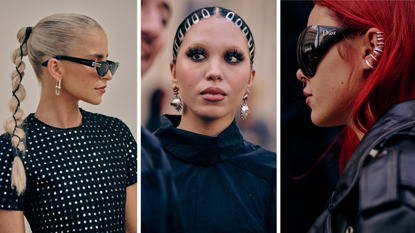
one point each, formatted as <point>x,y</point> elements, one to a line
<point>357,65</point>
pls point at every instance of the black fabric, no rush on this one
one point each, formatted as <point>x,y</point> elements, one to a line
<point>377,194</point>
<point>160,210</point>
<point>224,183</point>
<point>76,177</point>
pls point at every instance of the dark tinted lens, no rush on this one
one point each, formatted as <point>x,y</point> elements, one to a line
<point>313,42</point>
<point>114,67</point>
<point>103,69</point>
<point>306,50</point>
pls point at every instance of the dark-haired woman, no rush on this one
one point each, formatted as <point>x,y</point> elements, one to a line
<point>224,183</point>
<point>66,169</point>
<point>357,67</point>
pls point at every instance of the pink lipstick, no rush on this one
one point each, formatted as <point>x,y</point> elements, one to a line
<point>213,94</point>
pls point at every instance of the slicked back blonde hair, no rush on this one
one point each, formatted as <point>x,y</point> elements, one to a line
<point>52,36</point>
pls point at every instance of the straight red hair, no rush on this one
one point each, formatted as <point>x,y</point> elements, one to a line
<point>392,81</point>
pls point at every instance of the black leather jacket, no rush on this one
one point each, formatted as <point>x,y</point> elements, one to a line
<point>376,191</point>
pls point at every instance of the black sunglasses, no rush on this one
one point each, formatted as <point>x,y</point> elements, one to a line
<point>102,66</point>
<point>313,43</point>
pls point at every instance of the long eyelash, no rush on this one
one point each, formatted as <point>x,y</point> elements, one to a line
<point>235,53</point>
<point>195,50</point>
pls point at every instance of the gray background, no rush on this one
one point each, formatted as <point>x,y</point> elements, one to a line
<point>119,20</point>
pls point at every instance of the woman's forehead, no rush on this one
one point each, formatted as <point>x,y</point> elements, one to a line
<point>216,30</point>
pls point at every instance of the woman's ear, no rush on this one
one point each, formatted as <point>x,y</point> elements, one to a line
<point>372,47</point>
<point>55,69</point>
<point>173,72</point>
<point>251,77</point>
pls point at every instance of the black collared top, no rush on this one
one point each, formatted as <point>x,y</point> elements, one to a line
<point>224,183</point>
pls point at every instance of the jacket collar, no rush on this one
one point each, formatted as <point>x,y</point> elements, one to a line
<point>395,119</point>
<point>198,148</point>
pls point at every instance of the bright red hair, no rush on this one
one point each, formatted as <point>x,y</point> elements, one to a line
<point>393,79</point>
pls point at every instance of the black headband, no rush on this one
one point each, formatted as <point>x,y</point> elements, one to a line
<point>205,13</point>
<point>28,32</point>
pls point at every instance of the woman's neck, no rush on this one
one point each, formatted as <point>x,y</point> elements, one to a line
<point>206,127</point>
<point>358,133</point>
<point>58,112</point>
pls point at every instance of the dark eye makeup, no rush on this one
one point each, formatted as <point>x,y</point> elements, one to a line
<point>196,53</point>
<point>234,56</point>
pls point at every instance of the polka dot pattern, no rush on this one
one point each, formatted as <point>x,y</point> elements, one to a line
<point>76,178</point>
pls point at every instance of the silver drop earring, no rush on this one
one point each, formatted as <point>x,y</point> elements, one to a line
<point>176,101</point>
<point>58,87</point>
<point>244,107</point>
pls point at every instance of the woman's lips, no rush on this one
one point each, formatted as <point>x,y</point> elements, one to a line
<point>308,97</point>
<point>213,94</point>
<point>101,89</point>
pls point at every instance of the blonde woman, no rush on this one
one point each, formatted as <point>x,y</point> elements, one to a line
<point>62,167</point>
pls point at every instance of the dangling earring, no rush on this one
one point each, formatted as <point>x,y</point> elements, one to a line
<point>176,101</point>
<point>58,87</point>
<point>244,107</point>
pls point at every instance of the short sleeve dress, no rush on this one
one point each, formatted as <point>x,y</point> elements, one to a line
<point>76,177</point>
<point>224,183</point>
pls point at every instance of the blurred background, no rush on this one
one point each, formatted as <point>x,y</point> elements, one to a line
<point>260,125</point>
<point>306,184</point>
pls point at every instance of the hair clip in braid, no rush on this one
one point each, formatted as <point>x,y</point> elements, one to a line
<point>28,32</point>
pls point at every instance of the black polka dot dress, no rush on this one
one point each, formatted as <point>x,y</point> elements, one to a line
<point>76,177</point>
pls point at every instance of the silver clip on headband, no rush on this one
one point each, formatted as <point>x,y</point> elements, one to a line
<point>194,19</point>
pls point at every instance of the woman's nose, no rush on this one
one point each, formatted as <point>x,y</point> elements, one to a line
<point>108,75</point>
<point>300,75</point>
<point>214,71</point>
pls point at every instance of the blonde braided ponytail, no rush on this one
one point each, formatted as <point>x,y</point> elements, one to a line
<point>12,125</point>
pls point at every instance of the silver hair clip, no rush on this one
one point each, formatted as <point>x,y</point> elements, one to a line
<point>205,13</point>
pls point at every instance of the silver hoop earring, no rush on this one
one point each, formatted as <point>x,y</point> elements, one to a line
<point>244,107</point>
<point>377,51</point>
<point>368,64</point>
<point>58,88</point>
<point>176,102</point>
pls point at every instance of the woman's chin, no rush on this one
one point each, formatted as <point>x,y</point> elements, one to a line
<point>324,121</point>
<point>94,102</point>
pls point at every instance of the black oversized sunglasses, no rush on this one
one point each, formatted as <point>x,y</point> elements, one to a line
<point>313,42</point>
<point>102,66</point>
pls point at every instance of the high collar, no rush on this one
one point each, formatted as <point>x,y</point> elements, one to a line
<point>391,121</point>
<point>198,148</point>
